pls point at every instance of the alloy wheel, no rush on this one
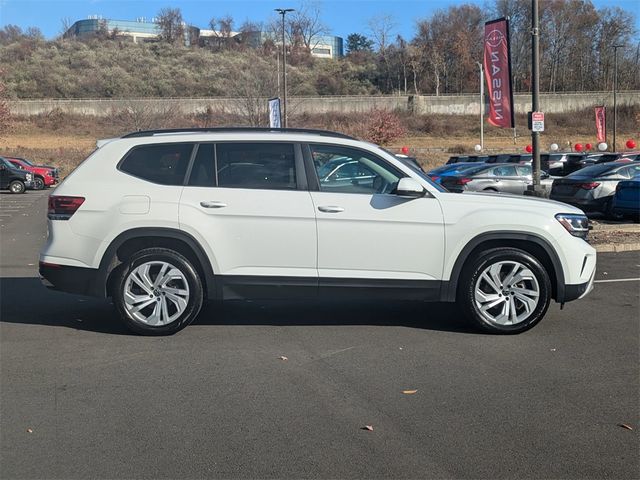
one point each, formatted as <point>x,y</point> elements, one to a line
<point>156,293</point>
<point>506,293</point>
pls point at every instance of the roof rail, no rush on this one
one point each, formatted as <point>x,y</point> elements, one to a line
<point>150,133</point>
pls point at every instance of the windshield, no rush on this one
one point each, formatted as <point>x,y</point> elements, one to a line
<point>6,163</point>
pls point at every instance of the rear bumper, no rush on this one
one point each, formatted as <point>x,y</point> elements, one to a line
<point>588,204</point>
<point>64,278</point>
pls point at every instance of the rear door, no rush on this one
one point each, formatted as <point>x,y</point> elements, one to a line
<point>249,202</point>
<point>369,237</point>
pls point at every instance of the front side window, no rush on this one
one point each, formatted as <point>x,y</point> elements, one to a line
<point>268,166</point>
<point>349,170</point>
<point>165,164</point>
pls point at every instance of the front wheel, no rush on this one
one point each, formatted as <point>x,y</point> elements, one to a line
<point>17,187</point>
<point>38,183</point>
<point>505,291</point>
<point>158,292</point>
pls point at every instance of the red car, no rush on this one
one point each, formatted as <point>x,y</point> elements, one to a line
<point>43,175</point>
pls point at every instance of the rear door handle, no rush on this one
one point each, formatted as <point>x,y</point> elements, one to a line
<point>331,209</point>
<point>213,204</point>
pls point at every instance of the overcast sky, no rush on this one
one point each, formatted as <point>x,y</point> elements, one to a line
<point>341,16</point>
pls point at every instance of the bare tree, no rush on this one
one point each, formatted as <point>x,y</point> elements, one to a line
<point>381,28</point>
<point>65,25</point>
<point>171,25</point>
<point>305,25</point>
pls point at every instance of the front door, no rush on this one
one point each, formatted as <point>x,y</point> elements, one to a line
<point>369,237</point>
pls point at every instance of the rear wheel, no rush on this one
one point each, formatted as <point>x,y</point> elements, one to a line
<point>505,290</point>
<point>158,292</point>
<point>610,213</point>
<point>38,183</point>
<point>17,187</point>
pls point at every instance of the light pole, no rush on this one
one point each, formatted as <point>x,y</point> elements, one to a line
<point>283,12</point>
<point>481,106</point>
<point>535,95</point>
<point>615,92</point>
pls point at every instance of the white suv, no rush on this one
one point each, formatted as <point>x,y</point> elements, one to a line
<point>163,220</point>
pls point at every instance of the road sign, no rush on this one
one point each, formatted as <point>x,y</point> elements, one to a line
<point>537,121</point>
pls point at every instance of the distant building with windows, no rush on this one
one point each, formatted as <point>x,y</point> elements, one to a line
<point>143,30</point>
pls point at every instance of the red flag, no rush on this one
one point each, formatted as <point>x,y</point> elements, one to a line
<point>497,73</point>
<point>601,124</point>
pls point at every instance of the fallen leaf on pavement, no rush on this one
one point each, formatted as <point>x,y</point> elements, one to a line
<point>409,392</point>
<point>624,425</point>
<point>368,427</point>
<point>282,357</point>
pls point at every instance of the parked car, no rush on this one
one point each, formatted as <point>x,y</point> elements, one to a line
<point>626,200</point>
<point>592,188</point>
<point>448,170</point>
<point>13,179</point>
<point>164,229</point>
<point>43,176</point>
<point>503,177</point>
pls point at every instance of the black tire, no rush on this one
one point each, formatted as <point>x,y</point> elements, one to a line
<point>474,269</point>
<point>176,260</point>
<point>38,183</point>
<point>17,187</point>
<point>610,213</point>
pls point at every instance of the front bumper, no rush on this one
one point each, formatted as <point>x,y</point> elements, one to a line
<point>575,292</point>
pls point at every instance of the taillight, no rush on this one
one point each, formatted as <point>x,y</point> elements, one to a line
<point>435,178</point>
<point>463,181</point>
<point>63,208</point>
<point>589,185</point>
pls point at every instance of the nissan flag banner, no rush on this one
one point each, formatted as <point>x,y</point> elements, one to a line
<point>601,124</point>
<point>274,113</point>
<point>497,72</point>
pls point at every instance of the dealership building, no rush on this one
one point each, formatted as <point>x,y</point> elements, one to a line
<point>142,30</point>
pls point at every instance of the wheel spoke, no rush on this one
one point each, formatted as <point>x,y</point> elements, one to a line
<point>528,302</point>
<point>179,302</point>
<point>508,280</point>
<point>490,305</point>
<point>494,271</point>
<point>165,310</point>
<point>490,282</point>
<point>141,283</point>
<point>513,314</point>
<point>160,276</point>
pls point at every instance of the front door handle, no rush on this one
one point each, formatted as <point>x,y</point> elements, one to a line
<point>331,209</point>
<point>213,204</point>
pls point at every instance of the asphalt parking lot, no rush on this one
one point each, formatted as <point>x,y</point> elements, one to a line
<point>80,397</point>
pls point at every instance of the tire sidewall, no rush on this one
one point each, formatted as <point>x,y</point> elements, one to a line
<point>17,182</point>
<point>38,183</point>
<point>493,256</point>
<point>178,261</point>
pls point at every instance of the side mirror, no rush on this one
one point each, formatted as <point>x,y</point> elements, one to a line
<point>2,166</point>
<point>408,187</point>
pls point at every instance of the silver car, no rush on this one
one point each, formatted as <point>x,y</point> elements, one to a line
<point>502,177</point>
<point>592,188</point>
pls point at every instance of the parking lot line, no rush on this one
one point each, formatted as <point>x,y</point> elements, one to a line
<point>617,280</point>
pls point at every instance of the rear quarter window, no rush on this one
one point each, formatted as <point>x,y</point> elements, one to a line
<point>165,164</point>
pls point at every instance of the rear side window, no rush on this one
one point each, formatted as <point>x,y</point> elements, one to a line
<point>504,171</point>
<point>269,166</point>
<point>165,164</point>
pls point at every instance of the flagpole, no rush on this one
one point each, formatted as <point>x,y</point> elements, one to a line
<point>481,106</point>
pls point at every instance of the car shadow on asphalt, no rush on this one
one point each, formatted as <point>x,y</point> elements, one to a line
<point>26,301</point>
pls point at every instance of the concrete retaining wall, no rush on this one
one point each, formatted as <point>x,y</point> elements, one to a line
<point>422,104</point>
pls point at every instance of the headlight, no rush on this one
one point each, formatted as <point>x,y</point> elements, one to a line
<point>576,225</point>
<point>29,177</point>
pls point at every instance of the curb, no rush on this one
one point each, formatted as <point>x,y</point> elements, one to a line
<point>616,247</point>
